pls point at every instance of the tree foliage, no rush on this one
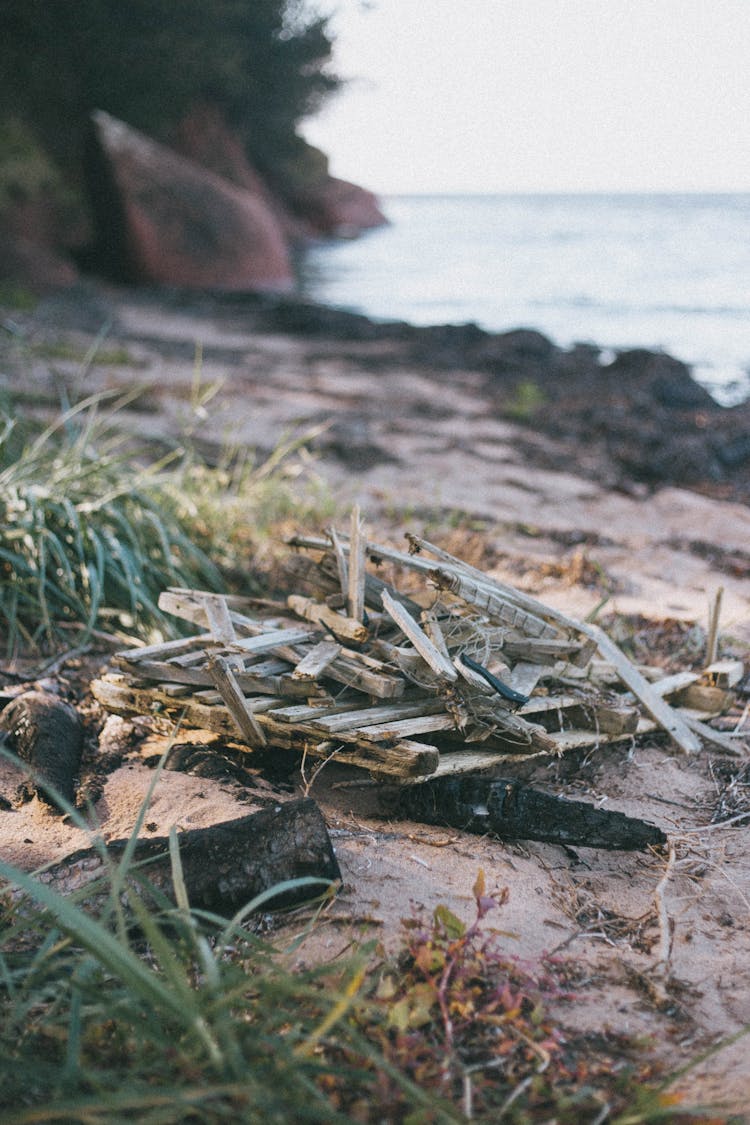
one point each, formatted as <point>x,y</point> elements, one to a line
<point>146,61</point>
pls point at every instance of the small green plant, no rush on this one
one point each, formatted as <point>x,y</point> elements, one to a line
<point>526,401</point>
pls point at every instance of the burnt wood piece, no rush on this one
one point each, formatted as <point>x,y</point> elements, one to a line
<point>47,733</point>
<point>224,866</point>
<point>510,810</point>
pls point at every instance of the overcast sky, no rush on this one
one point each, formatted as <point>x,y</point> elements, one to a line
<point>540,95</point>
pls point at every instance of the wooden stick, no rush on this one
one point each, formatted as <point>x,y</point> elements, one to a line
<point>665,716</point>
<point>440,664</point>
<point>712,641</point>
<point>356,584</point>
<point>341,562</point>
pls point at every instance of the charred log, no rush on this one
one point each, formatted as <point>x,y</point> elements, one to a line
<point>47,734</point>
<point>223,866</point>
<point>511,810</point>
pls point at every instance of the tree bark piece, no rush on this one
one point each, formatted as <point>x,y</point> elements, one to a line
<point>224,866</point>
<point>47,733</point>
<point>511,810</point>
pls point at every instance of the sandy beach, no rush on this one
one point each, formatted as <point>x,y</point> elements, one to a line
<point>432,448</point>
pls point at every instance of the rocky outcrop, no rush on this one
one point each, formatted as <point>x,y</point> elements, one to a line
<point>204,137</point>
<point>339,208</point>
<point>320,205</point>
<point>193,213</point>
<point>163,219</point>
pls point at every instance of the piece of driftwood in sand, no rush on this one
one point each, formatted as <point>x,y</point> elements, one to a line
<point>46,733</point>
<point>510,810</point>
<point>223,866</point>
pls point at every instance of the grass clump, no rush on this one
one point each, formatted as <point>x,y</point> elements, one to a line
<point>195,1018</point>
<point>86,536</point>
<point>90,535</point>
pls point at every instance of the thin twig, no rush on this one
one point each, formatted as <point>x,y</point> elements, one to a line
<point>666,925</point>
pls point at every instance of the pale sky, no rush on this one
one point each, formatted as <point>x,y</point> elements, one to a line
<point>540,95</point>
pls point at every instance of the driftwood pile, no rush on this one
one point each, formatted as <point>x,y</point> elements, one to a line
<point>437,671</point>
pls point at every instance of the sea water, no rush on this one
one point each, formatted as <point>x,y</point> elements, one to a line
<point>667,272</point>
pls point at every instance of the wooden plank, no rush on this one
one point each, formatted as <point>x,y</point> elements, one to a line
<point>550,650</point>
<point>367,716</point>
<point>341,564</point>
<point>199,677</point>
<point>406,762</point>
<point>660,711</point>
<point>670,685</point>
<point>352,675</point>
<point>303,712</point>
<point>226,684</point>
<point>122,698</point>
<point>715,737</point>
<point>476,761</point>
<point>406,728</point>
<point>217,616</point>
<point>316,660</point>
<point>440,664</point>
<point>276,638</point>
<point>724,673</point>
<point>320,614</point>
<point>166,650</point>
<point>525,677</point>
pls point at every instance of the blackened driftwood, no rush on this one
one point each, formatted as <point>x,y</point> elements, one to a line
<point>224,866</point>
<point>47,733</point>
<point>511,810</point>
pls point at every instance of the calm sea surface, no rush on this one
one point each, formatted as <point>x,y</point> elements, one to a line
<point>655,271</point>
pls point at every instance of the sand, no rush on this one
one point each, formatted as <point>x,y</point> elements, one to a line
<point>667,951</point>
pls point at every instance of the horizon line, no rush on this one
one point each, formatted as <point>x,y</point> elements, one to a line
<point>479,192</point>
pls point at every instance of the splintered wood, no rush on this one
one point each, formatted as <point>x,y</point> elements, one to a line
<point>457,674</point>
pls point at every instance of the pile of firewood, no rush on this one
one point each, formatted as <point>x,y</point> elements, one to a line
<point>413,665</point>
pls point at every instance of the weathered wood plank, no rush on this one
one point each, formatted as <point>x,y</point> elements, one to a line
<point>660,711</point>
<point>321,614</point>
<point>166,650</point>
<point>368,716</point>
<point>724,673</point>
<point>316,660</point>
<point>441,665</point>
<point>228,688</point>
<point>217,615</point>
<point>406,728</point>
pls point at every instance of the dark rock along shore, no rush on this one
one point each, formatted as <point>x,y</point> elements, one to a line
<point>642,413</point>
<point>635,423</point>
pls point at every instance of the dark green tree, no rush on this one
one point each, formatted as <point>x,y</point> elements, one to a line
<point>263,62</point>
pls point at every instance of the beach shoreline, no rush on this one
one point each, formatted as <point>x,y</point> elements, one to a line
<point>423,440</point>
